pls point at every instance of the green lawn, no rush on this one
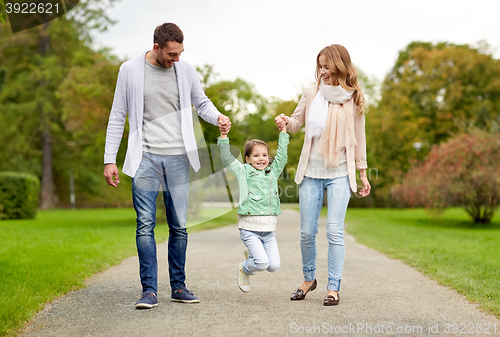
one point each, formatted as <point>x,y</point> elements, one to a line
<point>450,248</point>
<point>53,254</point>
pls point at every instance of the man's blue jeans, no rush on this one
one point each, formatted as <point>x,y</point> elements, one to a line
<point>311,192</point>
<point>169,174</point>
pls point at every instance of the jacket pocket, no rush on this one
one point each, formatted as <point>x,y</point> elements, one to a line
<point>256,198</point>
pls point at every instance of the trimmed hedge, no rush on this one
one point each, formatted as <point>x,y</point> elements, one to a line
<point>18,195</point>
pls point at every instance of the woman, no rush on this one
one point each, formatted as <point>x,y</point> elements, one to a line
<point>333,113</point>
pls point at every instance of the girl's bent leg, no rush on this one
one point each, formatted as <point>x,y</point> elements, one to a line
<point>272,251</point>
<point>258,260</point>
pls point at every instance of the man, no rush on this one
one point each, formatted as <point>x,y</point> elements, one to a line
<point>157,90</point>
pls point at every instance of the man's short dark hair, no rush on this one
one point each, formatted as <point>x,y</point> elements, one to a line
<point>167,32</point>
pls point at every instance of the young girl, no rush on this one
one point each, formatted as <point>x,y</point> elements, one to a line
<point>334,146</point>
<point>259,203</point>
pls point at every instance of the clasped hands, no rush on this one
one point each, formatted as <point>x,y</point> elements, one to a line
<point>282,121</point>
<point>225,123</point>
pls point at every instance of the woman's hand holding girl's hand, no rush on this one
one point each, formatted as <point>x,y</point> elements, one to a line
<point>281,121</point>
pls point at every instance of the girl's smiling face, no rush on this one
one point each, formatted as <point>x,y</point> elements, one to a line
<point>259,157</point>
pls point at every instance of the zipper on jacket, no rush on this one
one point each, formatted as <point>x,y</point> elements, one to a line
<point>246,198</point>
<point>270,196</point>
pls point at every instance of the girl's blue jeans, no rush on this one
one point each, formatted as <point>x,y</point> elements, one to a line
<point>311,192</point>
<point>263,251</point>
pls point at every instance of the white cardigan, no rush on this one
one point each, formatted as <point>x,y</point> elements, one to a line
<point>129,96</point>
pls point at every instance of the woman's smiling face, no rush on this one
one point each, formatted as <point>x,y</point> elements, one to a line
<point>327,75</point>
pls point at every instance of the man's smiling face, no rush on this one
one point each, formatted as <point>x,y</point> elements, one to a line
<point>169,54</point>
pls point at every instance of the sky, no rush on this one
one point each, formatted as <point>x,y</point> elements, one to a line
<point>273,44</point>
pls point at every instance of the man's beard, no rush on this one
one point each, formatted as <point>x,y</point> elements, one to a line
<point>161,64</point>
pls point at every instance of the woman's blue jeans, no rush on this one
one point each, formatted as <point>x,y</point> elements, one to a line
<point>311,192</point>
<point>169,174</point>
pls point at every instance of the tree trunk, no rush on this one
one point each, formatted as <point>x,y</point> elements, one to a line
<point>47,198</point>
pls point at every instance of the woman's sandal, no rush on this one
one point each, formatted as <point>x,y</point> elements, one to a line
<point>299,294</point>
<point>330,300</point>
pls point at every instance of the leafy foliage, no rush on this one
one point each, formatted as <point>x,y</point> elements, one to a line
<point>460,172</point>
<point>73,85</point>
<point>18,195</point>
<point>91,15</point>
<point>2,18</point>
<point>434,92</point>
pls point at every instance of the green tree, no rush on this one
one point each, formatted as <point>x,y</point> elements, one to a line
<point>86,95</point>
<point>38,61</point>
<point>462,171</point>
<point>434,91</point>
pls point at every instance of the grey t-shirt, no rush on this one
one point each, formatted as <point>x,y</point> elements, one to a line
<point>161,129</point>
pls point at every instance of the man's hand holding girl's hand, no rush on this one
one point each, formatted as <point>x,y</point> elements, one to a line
<point>224,126</point>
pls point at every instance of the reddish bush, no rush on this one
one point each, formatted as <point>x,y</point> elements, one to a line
<point>464,171</point>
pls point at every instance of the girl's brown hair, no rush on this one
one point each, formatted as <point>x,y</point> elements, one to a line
<point>250,144</point>
<point>338,60</point>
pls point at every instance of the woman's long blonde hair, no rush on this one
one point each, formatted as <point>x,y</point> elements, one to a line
<point>339,61</point>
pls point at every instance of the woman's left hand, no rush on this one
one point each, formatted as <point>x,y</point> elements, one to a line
<point>366,184</point>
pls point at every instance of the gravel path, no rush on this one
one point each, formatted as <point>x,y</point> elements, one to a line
<point>379,296</point>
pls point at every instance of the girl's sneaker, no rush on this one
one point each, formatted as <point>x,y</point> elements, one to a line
<point>243,279</point>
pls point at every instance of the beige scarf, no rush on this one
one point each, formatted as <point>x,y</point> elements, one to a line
<point>332,109</point>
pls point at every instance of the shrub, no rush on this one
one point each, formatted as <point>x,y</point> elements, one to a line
<point>18,195</point>
<point>461,172</point>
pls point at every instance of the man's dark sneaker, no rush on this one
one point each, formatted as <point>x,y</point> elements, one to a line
<point>183,295</point>
<point>147,301</point>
